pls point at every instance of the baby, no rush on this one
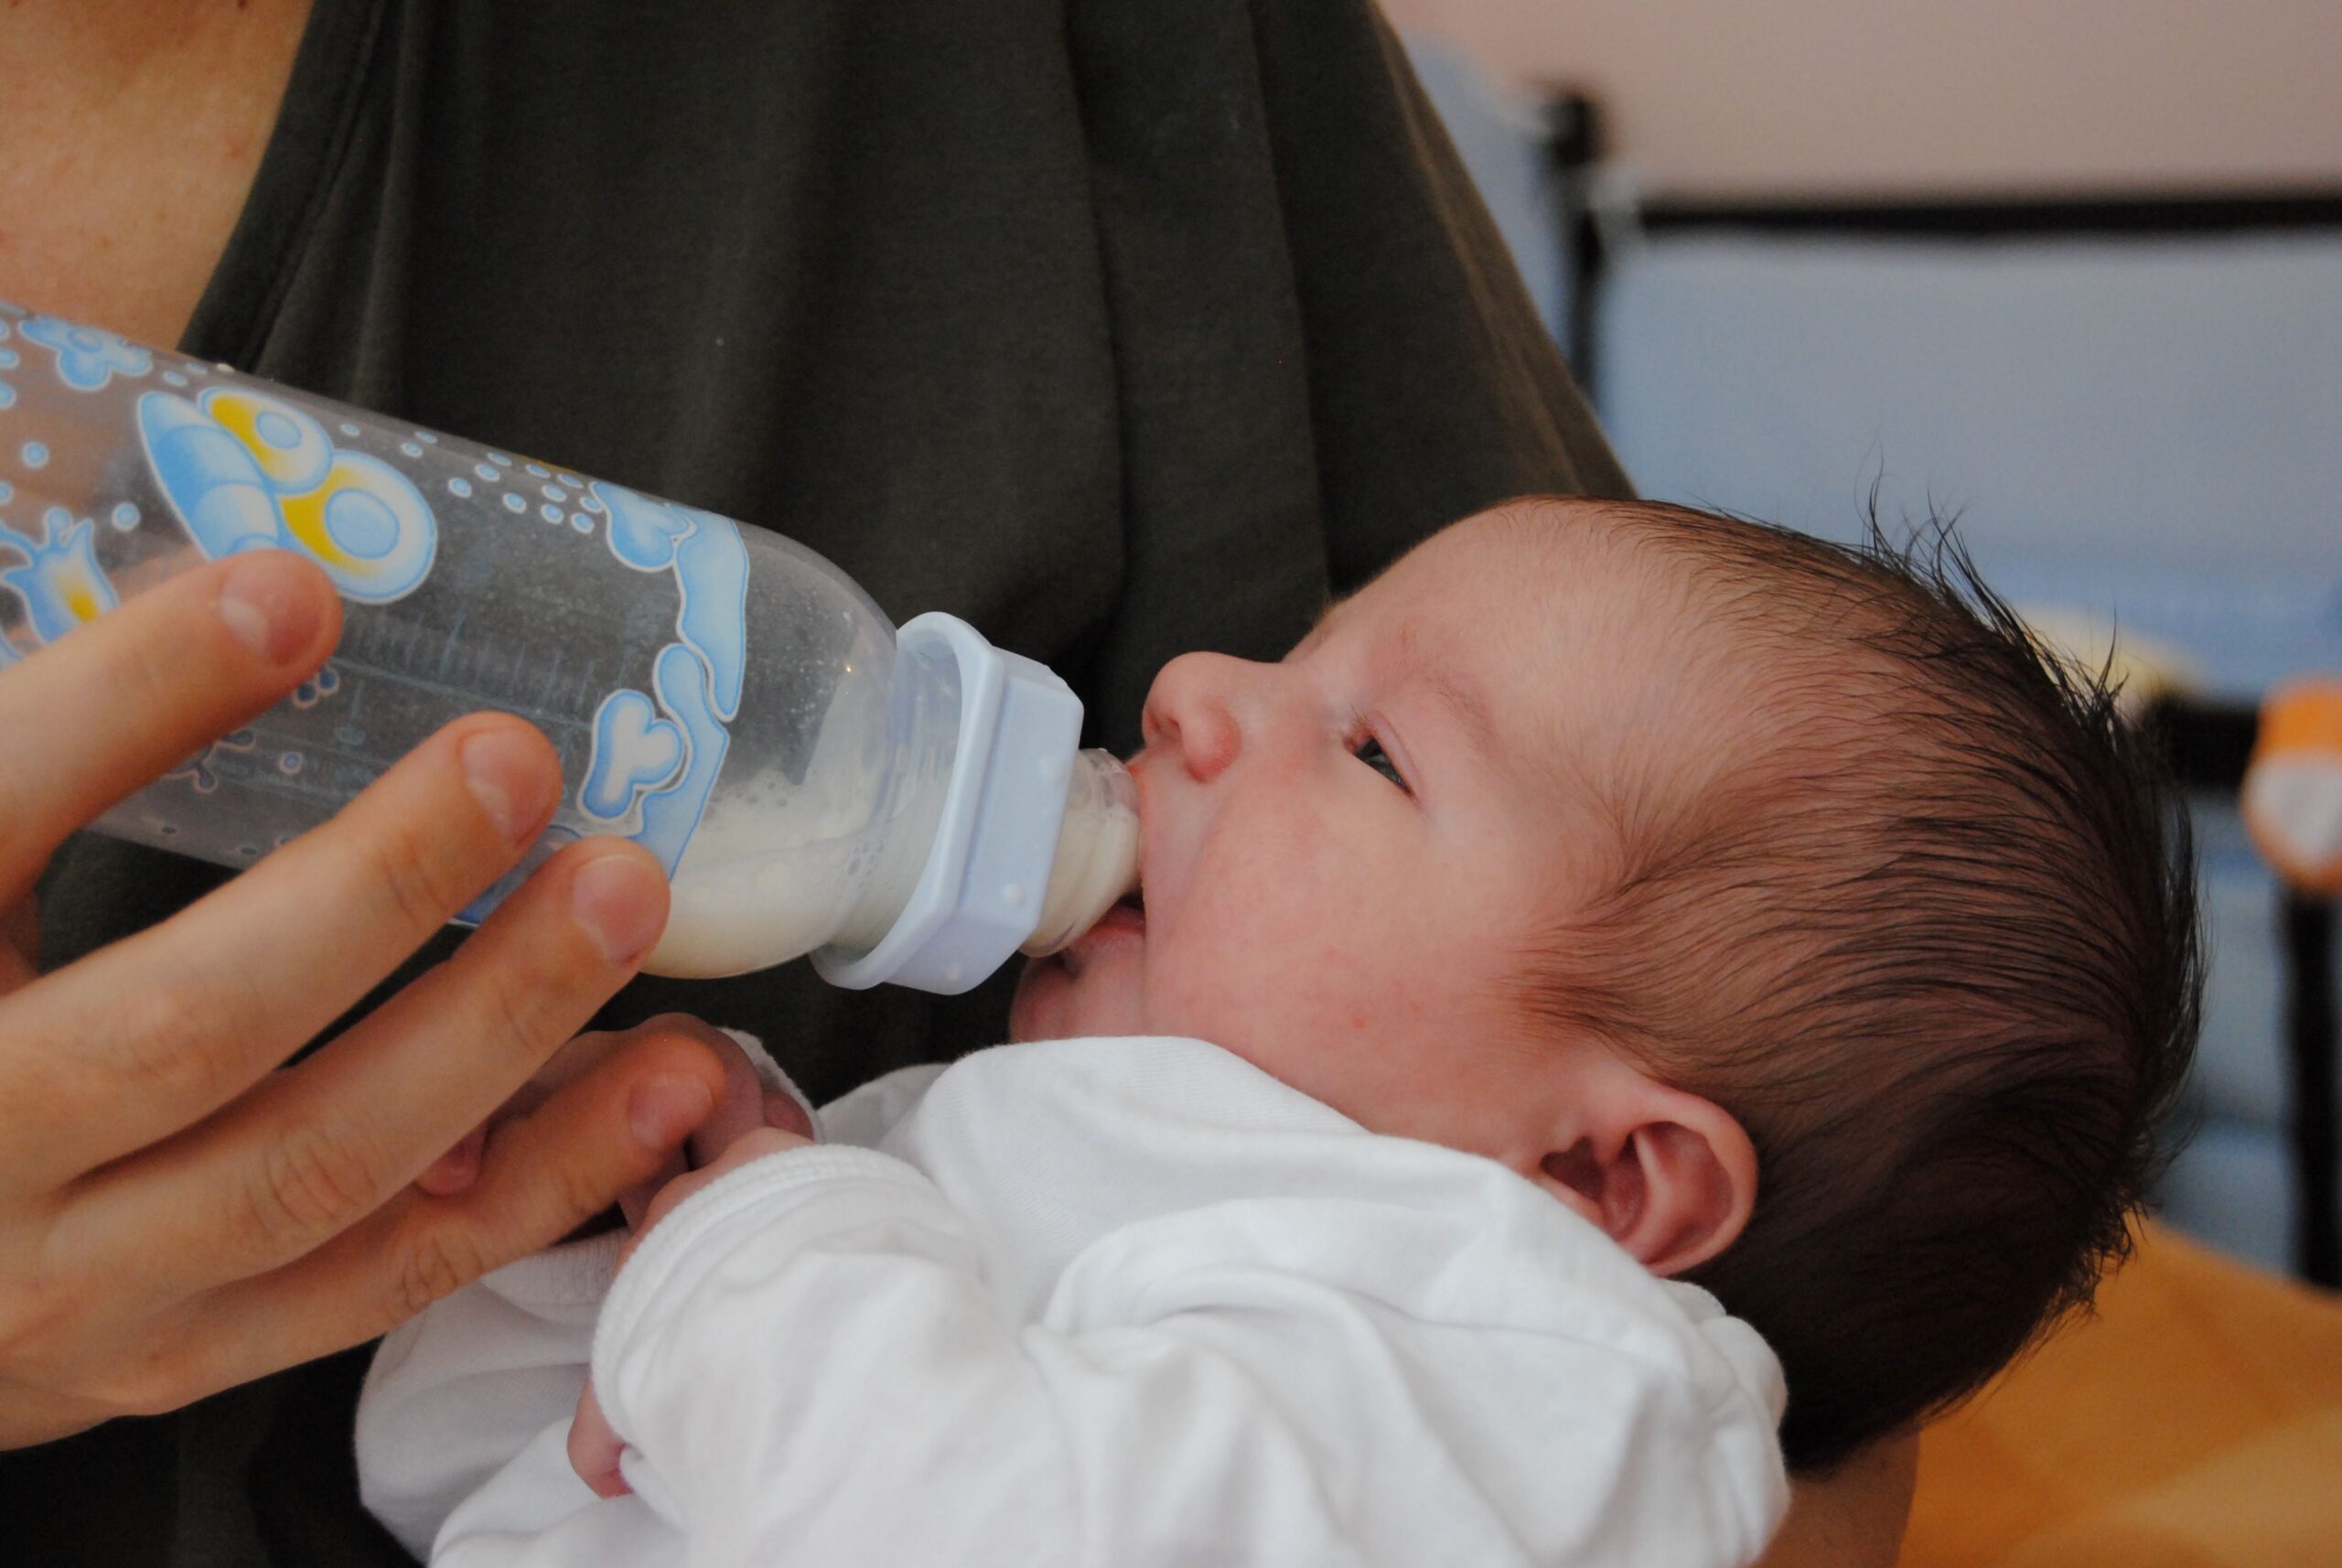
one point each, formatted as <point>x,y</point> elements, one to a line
<point>1611,912</point>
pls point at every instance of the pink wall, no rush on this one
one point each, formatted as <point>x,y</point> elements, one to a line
<point>1729,96</point>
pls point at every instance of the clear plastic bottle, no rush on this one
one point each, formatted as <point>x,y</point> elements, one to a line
<point>906,807</point>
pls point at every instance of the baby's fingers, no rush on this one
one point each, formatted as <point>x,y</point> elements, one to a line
<point>635,1201</point>
<point>457,1169</point>
<point>754,1146</point>
<point>595,1448</point>
<point>739,1111</point>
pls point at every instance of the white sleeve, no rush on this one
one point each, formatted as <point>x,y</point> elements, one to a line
<point>456,1393</point>
<point>809,1366</point>
<point>466,1407</point>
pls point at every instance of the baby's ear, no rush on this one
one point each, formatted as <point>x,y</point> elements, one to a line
<point>1668,1176</point>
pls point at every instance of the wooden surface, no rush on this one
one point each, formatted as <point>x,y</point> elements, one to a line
<point>2196,1422</point>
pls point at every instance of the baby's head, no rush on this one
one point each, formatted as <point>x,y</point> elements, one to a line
<point>1776,906</point>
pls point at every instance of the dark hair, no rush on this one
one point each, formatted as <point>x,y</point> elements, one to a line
<point>1934,945</point>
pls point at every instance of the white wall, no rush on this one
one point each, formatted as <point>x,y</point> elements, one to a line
<point>2144,430</point>
<point>1724,97</point>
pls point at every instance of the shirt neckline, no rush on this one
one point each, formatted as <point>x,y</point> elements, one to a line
<point>316,122</point>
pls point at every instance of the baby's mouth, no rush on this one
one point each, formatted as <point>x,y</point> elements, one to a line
<point>1125,916</point>
<point>1127,913</point>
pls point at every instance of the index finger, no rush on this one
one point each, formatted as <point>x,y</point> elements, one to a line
<point>123,699</point>
<point>142,1038</point>
<point>311,1151</point>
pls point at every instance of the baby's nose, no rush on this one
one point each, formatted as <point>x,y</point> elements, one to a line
<point>1188,713</point>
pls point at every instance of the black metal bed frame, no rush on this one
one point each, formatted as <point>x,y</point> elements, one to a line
<point>2207,743</point>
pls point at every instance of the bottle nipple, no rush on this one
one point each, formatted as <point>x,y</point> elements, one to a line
<point>1097,858</point>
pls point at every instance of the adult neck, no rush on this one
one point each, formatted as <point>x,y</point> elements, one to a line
<point>133,133</point>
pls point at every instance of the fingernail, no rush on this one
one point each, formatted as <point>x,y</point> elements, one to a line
<point>663,1110</point>
<point>268,607</point>
<point>506,772</point>
<point>622,901</point>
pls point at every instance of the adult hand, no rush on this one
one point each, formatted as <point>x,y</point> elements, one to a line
<point>742,1106</point>
<point>178,1212</point>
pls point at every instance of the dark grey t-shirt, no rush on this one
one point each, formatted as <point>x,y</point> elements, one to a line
<point>1119,329</point>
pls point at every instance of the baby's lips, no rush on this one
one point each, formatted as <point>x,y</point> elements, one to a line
<point>2292,789</point>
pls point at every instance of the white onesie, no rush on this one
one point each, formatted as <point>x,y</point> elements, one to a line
<point>1103,1302</point>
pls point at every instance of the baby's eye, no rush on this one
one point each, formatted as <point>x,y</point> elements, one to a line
<point>1369,751</point>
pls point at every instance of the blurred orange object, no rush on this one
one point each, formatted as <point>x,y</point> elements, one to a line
<point>2196,1422</point>
<point>2292,787</point>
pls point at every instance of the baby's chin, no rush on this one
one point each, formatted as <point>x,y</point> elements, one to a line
<point>1090,990</point>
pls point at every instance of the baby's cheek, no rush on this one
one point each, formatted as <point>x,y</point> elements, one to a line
<point>1231,994</point>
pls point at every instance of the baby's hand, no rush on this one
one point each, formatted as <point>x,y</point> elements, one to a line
<point>754,1144</point>
<point>594,1446</point>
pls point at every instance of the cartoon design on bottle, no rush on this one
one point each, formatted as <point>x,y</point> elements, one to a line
<point>60,583</point>
<point>87,357</point>
<point>197,770</point>
<point>663,761</point>
<point>323,684</point>
<point>247,471</point>
<point>635,751</point>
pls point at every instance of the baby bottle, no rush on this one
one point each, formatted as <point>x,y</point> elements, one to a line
<point>909,807</point>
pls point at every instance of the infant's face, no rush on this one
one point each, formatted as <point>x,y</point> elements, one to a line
<point>1344,853</point>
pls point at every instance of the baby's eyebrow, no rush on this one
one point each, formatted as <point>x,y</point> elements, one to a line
<point>1458,695</point>
<point>1318,627</point>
